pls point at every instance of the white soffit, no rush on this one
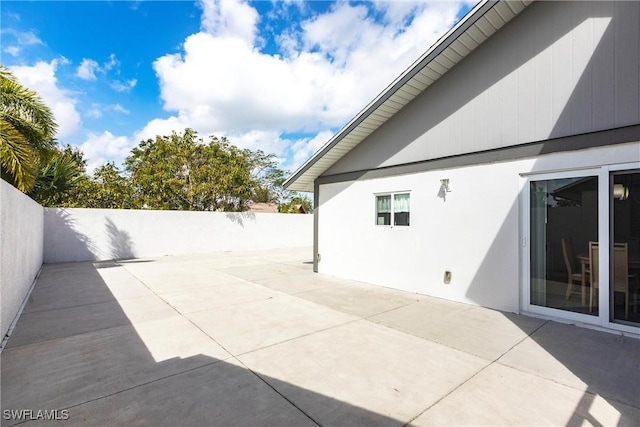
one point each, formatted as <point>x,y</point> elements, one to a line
<point>473,29</point>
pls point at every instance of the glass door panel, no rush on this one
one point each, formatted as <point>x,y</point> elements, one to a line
<point>625,259</point>
<point>564,244</point>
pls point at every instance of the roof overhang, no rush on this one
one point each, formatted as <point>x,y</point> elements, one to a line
<point>471,31</point>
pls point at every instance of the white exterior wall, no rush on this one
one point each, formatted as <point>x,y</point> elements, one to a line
<point>474,232</point>
<point>21,236</point>
<point>100,234</point>
<point>560,68</point>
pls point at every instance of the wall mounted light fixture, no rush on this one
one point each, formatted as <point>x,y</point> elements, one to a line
<point>445,184</point>
<point>620,192</point>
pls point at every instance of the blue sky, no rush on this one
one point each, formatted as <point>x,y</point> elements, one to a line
<point>281,76</point>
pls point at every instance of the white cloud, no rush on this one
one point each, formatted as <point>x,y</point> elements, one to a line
<point>99,149</point>
<point>120,109</point>
<point>302,149</point>
<point>229,19</point>
<point>96,110</point>
<point>87,69</point>
<point>111,63</point>
<point>27,38</point>
<point>12,50</point>
<point>22,40</point>
<point>123,86</point>
<point>41,78</point>
<point>330,66</point>
<point>222,83</point>
<point>162,127</point>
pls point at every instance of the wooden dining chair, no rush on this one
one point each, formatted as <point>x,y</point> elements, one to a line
<point>621,273</point>
<point>568,262</point>
<point>594,272</point>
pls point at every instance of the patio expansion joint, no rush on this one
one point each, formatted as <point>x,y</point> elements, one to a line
<point>292,403</point>
<point>134,387</point>
<point>233,356</point>
<point>258,376</point>
<point>301,336</point>
<point>555,381</point>
<point>67,307</point>
<point>491,363</point>
<point>187,313</point>
<point>355,319</point>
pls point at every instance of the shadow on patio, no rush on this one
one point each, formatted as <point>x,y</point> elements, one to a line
<point>95,341</point>
<point>256,338</point>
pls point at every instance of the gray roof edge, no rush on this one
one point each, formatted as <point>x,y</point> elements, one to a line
<point>447,39</point>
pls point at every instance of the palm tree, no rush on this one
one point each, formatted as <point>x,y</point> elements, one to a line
<point>27,128</point>
<point>57,177</point>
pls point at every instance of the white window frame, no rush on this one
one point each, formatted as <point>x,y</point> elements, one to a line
<point>392,213</point>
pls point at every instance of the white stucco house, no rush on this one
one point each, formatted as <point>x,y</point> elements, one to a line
<point>501,169</point>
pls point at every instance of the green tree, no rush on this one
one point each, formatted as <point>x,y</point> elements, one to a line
<point>294,203</point>
<point>267,176</point>
<point>58,176</point>
<point>108,188</point>
<point>27,128</point>
<point>183,172</point>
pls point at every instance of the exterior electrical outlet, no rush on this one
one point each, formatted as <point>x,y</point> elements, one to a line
<point>447,277</point>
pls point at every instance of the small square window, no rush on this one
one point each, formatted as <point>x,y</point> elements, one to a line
<point>393,209</point>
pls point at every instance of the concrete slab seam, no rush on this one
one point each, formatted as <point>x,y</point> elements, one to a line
<point>74,306</point>
<point>131,388</point>
<point>300,336</point>
<point>555,381</point>
<point>230,353</point>
<point>301,292</point>
<point>476,374</point>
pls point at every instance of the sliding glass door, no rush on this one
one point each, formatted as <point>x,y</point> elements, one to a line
<point>563,220</point>
<point>582,246</point>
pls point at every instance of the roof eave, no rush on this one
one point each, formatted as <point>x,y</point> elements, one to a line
<point>294,182</point>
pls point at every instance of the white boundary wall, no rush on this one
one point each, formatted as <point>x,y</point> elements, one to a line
<point>101,234</point>
<point>21,240</point>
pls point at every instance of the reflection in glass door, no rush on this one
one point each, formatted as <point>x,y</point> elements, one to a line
<point>564,244</point>
<point>625,265</point>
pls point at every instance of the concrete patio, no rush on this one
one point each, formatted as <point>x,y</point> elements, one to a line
<point>257,338</point>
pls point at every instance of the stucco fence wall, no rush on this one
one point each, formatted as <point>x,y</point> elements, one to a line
<point>21,237</point>
<point>101,234</point>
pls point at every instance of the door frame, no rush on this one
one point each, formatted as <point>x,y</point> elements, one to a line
<point>525,247</point>
<point>605,185</point>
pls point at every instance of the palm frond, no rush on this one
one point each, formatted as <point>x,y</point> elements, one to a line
<point>17,157</point>
<point>27,128</point>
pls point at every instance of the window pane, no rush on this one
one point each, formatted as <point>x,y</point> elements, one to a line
<point>401,209</point>
<point>401,203</point>
<point>625,262</point>
<point>384,204</point>
<point>383,210</point>
<point>401,218</point>
<point>383,219</point>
